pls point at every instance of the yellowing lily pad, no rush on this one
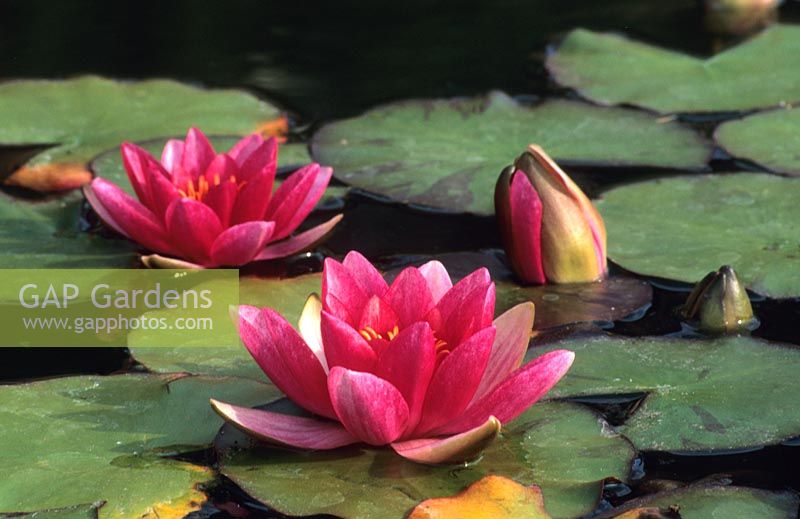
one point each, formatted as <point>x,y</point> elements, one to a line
<point>362,483</point>
<point>492,497</point>
<point>703,501</point>
<point>448,154</point>
<point>48,235</point>
<point>770,139</point>
<point>720,394</point>
<point>87,439</point>
<point>611,69</point>
<point>79,118</point>
<point>682,228</point>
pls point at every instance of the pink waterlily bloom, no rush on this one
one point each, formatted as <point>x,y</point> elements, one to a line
<point>418,364</point>
<point>200,208</point>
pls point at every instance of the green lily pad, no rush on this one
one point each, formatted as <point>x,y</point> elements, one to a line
<point>448,153</point>
<point>287,296</point>
<point>701,395</point>
<point>47,235</point>
<point>611,69</point>
<point>81,117</point>
<point>540,446</point>
<point>682,228</point>
<point>86,439</point>
<point>770,139</point>
<point>703,501</point>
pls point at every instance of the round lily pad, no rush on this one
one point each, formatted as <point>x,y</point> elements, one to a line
<point>79,118</point>
<point>682,228</point>
<point>720,394</point>
<point>703,501</point>
<point>47,235</point>
<point>287,296</point>
<point>538,447</point>
<point>611,69</point>
<point>770,139</point>
<point>86,439</point>
<point>448,154</point>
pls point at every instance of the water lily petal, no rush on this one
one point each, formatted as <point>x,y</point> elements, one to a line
<point>136,163</point>
<point>339,284</point>
<point>407,363</point>
<point>378,315</point>
<point>222,200</point>
<point>253,198</point>
<point>301,242</point>
<point>438,279</point>
<point>458,448</point>
<point>262,161</point>
<point>456,318</point>
<point>365,274</point>
<point>510,344</point>
<point>126,215</point>
<point>193,227</point>
<point>525,236</point>
<point>157,261</point>
<point>296,197</point>
<point>516,393</point>
<point>309,326</point>
<point>239,244</point>
<point>197,153</point>
<point>172,154</point>
<point>370,408</point>
<point>344,346</point>
<point>455,380</point>
<point>162,191</point>
<point>409,296</point>
<point>296,431</point>
<point>244,148</point>
<point>285,358</point>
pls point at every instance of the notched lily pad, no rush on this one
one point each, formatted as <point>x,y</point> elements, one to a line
<point>79,118</point>
<point>701,395</point>
<point>87,439</point>
<point>770,139</point>
<point>703,501</point>
<point>448,154</point>
<point>608,300</point>
<point>611,69</point>
<point>540,446</point>
<point>682,228</point>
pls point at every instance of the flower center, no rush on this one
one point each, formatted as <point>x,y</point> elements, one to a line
<point>200,190</point>
<point>369,333</point>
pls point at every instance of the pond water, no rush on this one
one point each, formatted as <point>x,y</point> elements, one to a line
<point>339,59</point>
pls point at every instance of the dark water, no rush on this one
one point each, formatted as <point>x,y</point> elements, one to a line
<point>337,59</point>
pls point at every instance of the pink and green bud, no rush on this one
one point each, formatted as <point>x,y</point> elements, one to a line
<point>551,231</point>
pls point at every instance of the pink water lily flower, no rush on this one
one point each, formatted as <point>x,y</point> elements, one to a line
<point>417,364</point>
<point>212,209</point>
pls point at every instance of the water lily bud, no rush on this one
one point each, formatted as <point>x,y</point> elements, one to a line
<point>719,304</point>
<point>551,231</point>
<point>740,17</point>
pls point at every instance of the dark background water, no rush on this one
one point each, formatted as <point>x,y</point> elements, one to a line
<point>330,59</point>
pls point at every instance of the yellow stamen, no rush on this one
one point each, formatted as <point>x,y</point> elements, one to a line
<point>393,332</point>
<point>216,179</point>
<point>441,344</point>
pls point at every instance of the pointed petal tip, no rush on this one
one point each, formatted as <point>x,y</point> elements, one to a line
<point>458,448</point>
